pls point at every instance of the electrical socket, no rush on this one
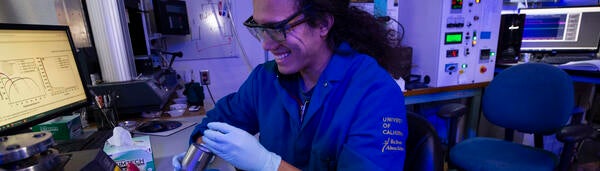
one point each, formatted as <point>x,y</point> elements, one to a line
<point>204,77</point>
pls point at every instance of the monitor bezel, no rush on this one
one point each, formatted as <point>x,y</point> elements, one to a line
<point>556,51</point>
<point>64,110</point>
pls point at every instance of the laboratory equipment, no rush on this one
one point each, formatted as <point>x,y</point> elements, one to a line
<point>509,40</point>
<point>20,150</point>
<point>171,17</point>
<point>454,41</point>
<point>148,93</point>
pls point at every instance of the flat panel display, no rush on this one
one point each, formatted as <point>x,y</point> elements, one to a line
<point>569,29</point>
<point>39,75</point>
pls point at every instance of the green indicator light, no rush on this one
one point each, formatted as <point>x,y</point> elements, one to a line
<point>492,53</point>
<point>474,37</point>
<point>463,66</point>
<point>453,38</point>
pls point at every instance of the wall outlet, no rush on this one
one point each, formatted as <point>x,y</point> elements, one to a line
<point>204,77</point>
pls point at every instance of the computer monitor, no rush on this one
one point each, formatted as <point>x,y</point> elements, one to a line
<point>561,30</point>
<point>39,76</point>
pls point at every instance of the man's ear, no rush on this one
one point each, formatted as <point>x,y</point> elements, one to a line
<point>326,25</point>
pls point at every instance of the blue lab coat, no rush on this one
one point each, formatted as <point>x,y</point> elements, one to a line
<point>356,119</point>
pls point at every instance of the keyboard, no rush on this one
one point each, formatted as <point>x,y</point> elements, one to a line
<point>94,141</point>
<point>564,59</point>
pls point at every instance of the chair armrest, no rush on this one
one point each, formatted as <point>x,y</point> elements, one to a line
<point>577,115</point>
<point>452,110</point>
<point>574,133</point>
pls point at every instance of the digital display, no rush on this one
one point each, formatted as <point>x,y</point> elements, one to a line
<point>452,53</point>
<point>545,27</point>
<point>485,54</point>
<point>457,4</point>
<point>39,76</point>
<point>453,38</point>
<point>561,30</point>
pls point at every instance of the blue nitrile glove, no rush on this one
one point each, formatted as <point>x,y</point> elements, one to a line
<point>176,161</point>
<point>239,148</point>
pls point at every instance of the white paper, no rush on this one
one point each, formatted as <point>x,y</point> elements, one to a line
<point>401,83</point>
<point>121,137</point>
<point>588,65</point>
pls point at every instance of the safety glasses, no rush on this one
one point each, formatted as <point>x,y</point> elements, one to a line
<point>275,31</point>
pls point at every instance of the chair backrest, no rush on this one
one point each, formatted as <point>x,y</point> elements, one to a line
<point>531,98</point>
<point>423,146</point>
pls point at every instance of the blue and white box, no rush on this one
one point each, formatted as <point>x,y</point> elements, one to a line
<point>140,154</point>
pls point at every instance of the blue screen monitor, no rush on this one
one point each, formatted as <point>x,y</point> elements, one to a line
<point>39,76</point>
<point>556,30</point>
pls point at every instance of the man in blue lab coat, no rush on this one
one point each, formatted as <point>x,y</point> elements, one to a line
<point>323,103</point>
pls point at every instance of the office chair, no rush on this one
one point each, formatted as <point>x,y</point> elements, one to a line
<point>423,146</point>
<point>530,98</point>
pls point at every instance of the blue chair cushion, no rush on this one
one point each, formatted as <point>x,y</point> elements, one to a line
<point>494,154</point>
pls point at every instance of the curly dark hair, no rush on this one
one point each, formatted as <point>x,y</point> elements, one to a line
<point>360,29</point>
<point>363,31</point>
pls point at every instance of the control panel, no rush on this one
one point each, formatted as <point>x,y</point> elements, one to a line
<point>454,41</point>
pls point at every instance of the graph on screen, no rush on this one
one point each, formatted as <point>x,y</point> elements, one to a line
<point>549,27</point>
<point>38,73</point>
<point>27,81</point>
<point>561,30</point>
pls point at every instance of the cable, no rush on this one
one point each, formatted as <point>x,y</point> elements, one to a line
<point>387,19</point>
<point>236,36</point>
<point>210,93</point>
<point>401,26</point>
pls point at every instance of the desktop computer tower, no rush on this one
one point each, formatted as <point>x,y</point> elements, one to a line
<point>509,41</point>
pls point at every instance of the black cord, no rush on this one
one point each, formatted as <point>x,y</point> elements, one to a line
<point>402,27</point>
<point>211,96</point>
<point>387,19</point>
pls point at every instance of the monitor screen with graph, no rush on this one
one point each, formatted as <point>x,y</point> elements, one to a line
<point>39,75</point>
<point>568,29</point>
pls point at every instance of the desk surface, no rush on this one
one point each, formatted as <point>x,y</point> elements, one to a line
<point>577,75</point>
<point>433,90</point>
<point>164,148</point>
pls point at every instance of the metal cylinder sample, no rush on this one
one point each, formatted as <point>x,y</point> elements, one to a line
<point>196,158</point>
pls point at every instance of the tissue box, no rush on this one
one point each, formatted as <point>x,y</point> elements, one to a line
<point>140,154</point>
<point>62,128</point>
